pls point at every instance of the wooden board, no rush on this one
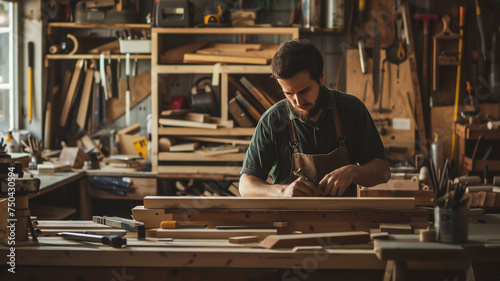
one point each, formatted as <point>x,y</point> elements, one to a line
<point>216,170</point>
<point>243,239</point>
<point>219,140</point>
<point>201,58</point>
<point>205,132</point>
<point>313,239</point>
<point>187,156</point>
<point>86,98</point>
<point>256,93</point>
<point>305,220</point>
<point>396,228</point>
<point>175,55</point>
<point>72,93</point>
<point>397,96</point>
<point>422,197</point>
<point>238,114</point>
<point>186,233</point>
<point>185,123</point>
<point>191,146</point>
<point>320,203</point>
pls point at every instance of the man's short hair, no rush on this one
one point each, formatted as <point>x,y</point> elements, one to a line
<point>295,56</point>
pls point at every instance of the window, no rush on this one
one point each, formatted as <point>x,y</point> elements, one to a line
<point>8,67</point>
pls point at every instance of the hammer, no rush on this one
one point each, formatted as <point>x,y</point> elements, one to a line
<point>114,241</point>
<point>426,18</point>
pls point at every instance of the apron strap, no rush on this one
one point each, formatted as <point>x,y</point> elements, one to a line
<point>338,124</point>
<point>336,118</point>
<point>293,136</point>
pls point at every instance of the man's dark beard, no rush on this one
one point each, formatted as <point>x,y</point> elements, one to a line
<point>320,102</point>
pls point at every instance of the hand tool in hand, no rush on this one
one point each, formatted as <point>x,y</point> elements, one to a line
<point>299,173</point>
<point>114,241</point>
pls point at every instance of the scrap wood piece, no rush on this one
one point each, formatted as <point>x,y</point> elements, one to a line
<point>243,239</point>
<point>186,123</point>
<point>295,203</point>
<point>379,235</point>
<point>313,239</point>
<point>396,228</point>
<point>73,156</point>
<point>175,113</point>
<point>176,54</point>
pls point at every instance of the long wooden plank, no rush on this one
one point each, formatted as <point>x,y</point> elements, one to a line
<point>318,220</point>
<point>85,100</point>
<point>186,233</point>
<point>317,203</point>
<point>218,140</point>
<point>186,123</point>
<point>189,156</point>
<point>313,239</point>
<point>171,131</point>
<point>71,96</point>
<point>216,170</point>
<point>196,58</point>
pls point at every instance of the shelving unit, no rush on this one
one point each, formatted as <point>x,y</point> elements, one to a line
<point>56,64</point>
<point>472,150</point>
<point>52,27</point>
<point>224,70</point>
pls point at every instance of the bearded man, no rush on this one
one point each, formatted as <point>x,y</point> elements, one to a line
<point>316,141</point>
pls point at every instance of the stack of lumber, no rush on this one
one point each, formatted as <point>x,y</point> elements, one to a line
<point>479,193</point>
<point>232,53</point>
<point>199,143</point>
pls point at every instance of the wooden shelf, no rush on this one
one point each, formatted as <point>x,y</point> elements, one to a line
<point>322,30</point>
<point>74,25</point>
<point>474,131</point>
<point>180,131</point>
<point>206,68</point>
<point>224,70</point>
<point>94,56</point>
<point>478,165</point>
<point>467,133</point>
<point>231,30</point>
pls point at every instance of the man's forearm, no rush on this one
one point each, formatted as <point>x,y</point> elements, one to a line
<point>375,172</point>
<point>252,186</point>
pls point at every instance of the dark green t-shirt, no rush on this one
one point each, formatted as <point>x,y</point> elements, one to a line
<point>270,150</point>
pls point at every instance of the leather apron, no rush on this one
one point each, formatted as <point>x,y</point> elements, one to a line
<point>316,166</point>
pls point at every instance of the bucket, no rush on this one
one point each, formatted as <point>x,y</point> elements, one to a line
<point>452,226</point>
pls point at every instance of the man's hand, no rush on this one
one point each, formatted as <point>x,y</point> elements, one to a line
<point>336,182</point>
<point>301,188</point>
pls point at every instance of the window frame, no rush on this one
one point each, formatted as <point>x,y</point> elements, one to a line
<point>13,85</point>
